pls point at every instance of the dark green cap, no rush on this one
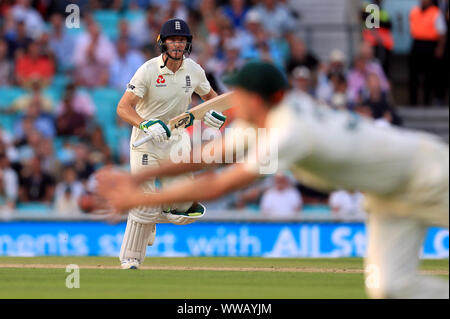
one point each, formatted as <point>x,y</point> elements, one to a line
<point>259,77</point>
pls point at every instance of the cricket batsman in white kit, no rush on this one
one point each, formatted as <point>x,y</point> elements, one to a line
<point>161,89</point>
<point>403,174</point>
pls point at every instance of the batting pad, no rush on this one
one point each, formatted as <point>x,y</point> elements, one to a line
<point>135,240</point>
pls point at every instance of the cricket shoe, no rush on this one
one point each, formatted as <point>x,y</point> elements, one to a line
<point>151,239</point>
<point>130,263</point>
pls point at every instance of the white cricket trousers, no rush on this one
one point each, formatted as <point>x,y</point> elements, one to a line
<point>397,226</point>
<point>141,220</point>
<point>392,261</point>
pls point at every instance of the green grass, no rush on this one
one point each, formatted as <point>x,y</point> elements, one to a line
<point>188,284</point>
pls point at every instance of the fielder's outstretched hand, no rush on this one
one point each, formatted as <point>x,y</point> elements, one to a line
<point>119,189</point>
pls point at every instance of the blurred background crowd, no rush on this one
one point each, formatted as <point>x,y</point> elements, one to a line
<point>60,84</point>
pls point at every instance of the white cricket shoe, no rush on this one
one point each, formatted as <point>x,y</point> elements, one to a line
<point>151,239</point>
<point>130,263</point>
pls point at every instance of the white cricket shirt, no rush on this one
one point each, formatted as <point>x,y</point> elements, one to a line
<point>330,149</point>
<point>165,94</point>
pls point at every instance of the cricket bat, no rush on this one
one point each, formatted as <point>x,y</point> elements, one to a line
<point>219,103</point>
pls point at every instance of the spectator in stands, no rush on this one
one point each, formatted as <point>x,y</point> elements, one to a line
<point>198,27</point>
<point>34,23</point>
<point>211,16</point>
<point>300,56</point>
<point>22,103</point>
<point>34,66</point>
<point>67,193</point>
<point>236,11</point>
<point>93,47</point>
<point>39,120</point>
<point>5,6</point>
<point>230,62</point>
<point>253,23</point>
<point>143,29</point>
<point>250,197</point>
<point>70,122</point>
<point>124,67</point>
<point>98,148</point>
<point>9,185</point>
<point>49,161</point>
<point>276,16</point>
<point>347,206</point>
<point>28,145</point>
<point>17,39</point>
<point>282,200</point>
<point>80,101</point>
<point>263,48</point>
<point>35,185</point>
<point>61,42</point>
<point>7,146</point>
<point>301,79</point>
<point>378,101</point>
<point>226,35</point>
<point>326,71</point>
<point>6,67</point>
<point>82,163</point>
<point>364,64</point>
<point>175,9</point>
<point>91,72</point>
<point>428,30</point>
<point>339,97</point>
<point>380,38</point>
<point>124,33</point>
<point>105,4</point>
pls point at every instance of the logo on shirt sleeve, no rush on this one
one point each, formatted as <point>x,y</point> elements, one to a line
<point>131,86</point>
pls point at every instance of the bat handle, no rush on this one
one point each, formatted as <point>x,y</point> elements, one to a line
<point>142,141</point>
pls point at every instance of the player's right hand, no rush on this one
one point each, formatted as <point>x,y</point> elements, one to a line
<point>156,129</point>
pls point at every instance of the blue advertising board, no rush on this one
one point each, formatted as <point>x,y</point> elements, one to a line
<point>37,238</point>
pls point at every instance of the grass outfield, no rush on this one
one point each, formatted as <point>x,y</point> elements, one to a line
<point>191,278</point>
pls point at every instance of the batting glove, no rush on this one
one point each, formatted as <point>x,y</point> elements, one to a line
<point>214,119</point>
<point>155,128</point>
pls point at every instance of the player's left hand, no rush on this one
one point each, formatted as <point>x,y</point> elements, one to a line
<point>214,119</point>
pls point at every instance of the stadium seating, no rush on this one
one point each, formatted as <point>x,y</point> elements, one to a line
<point>33,207</point>
<point>105,100</point>
<point>108,21</point>
<point>132,16</point>
<point>8,94</point>
<point>54,94</point>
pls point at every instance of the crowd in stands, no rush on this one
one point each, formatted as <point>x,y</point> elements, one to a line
<point>59,86</point>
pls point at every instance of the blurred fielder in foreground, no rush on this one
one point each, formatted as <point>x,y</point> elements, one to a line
<point>161,89</point>
<point>403,174</point>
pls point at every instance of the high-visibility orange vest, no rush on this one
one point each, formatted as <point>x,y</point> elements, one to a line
<point>423,23</point>
<point>381,36</point>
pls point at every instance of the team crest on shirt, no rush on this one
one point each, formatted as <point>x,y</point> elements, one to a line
<point>160,81</point>
<point>145,159</point>
<point>188,86</point>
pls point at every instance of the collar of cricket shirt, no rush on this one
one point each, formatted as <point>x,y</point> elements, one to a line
<point>166,70</point>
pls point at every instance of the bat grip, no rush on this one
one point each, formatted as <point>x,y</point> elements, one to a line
<point>142,141</point>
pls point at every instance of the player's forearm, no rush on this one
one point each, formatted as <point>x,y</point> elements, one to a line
<point>212,94</point>
<point>171,169</point>
<point>129,114</point>
<point>204,188</point>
